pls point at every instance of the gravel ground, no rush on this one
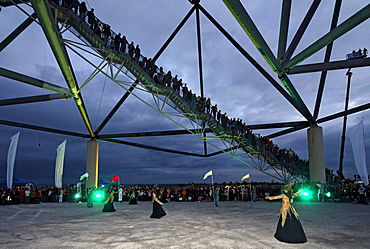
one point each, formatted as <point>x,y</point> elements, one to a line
<point>186,225</point>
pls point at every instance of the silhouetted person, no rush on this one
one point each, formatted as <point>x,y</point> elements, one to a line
<point>123,44</point>
<point>117,42</point>
<point>83,10</point>
<point>137,53</point>
<point>131,48</point>
<point>91,19</point>
<point>214,111</point>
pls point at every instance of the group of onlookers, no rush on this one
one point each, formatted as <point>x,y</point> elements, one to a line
<point>232,126</point>
<point>346,192</point>
<point>35,195</point>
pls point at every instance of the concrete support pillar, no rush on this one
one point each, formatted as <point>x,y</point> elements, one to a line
<point>92,166</point>
<point>316,154</point>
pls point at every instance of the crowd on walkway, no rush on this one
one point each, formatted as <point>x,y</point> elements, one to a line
<point>232,126</point>
<point>345,192</point>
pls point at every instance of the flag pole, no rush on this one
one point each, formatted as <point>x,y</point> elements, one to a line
<point>213,189</point>
<point>250,187</point>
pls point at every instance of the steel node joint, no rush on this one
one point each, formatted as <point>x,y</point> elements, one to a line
<point>78,100</point>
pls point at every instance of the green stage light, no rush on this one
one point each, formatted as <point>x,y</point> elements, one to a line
<point>98,196</point>
<point>328,194</point>
<point>77,195</point>
<point>306,194</point>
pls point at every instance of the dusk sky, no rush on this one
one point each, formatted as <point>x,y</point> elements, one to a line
<point>229,80</point>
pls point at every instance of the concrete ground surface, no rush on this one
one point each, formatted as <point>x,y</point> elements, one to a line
<point>186,225</point>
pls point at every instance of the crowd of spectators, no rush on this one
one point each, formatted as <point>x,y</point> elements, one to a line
<point>345,192</point>
<point>235,127</point>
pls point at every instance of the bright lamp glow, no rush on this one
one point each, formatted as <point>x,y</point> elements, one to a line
<point>306,194</point>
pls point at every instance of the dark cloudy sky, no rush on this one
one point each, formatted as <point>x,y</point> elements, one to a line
<point>229,80</point>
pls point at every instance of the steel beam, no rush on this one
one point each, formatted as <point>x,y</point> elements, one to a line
<point>297,98</point>
<point>151,134</point>
<point>284,27</point>
<point>332,65</point>
<point>267,76</point>
<point>247,24</point>
<point>116,107</point>
<point>199,43</point>
<point>32,99</point>
<point>35,82</point>
<point>321,120</point>
<point>277,125</point>
<point>17,31</point>
<point>302,28</point>
<point>151,147</point>
<point>52,34</point>
<point>174,33</point>
<point>334,23</point>
<point>341,114</point>
<point>340,30</point>
<point>290,130</point>
<point>41,128</point>
<point>6,3</point>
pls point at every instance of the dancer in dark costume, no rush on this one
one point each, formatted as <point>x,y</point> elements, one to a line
<point>132,199</point>
<point>289,228</point>
<point>108,207</point>
<point>158,211</point>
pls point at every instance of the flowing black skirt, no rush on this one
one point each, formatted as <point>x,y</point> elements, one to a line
<point>158,211</point>
<point>132,201</point>
<point>291,232</point>
<point>108,207</point>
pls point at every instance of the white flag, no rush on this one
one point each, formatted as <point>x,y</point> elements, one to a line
<point>245,177</point>
<point>11,159</point>
<point>209,173</point>
<point>59,164</point>
<point>86,175</point>
<point>356,135</point>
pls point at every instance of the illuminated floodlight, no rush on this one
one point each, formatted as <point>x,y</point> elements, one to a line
<point>306,194</point>
<point>98,196</point>
<point>328,194</point>
<point>78,195</point>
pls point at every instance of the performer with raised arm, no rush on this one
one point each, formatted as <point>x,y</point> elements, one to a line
<point>158,211</point>
<point>289,228</point>
<point>108,206</point>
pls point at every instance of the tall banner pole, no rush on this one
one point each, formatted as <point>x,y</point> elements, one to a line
<point>11,159</point>
<point>250,187</point>
<point>213,189</point>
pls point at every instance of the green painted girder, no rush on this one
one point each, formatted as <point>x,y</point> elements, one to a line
<point>247,24</point>
<point>297,98</point>
<point>337,32</point>
<point>241,15</point>
<point>43,12</point>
